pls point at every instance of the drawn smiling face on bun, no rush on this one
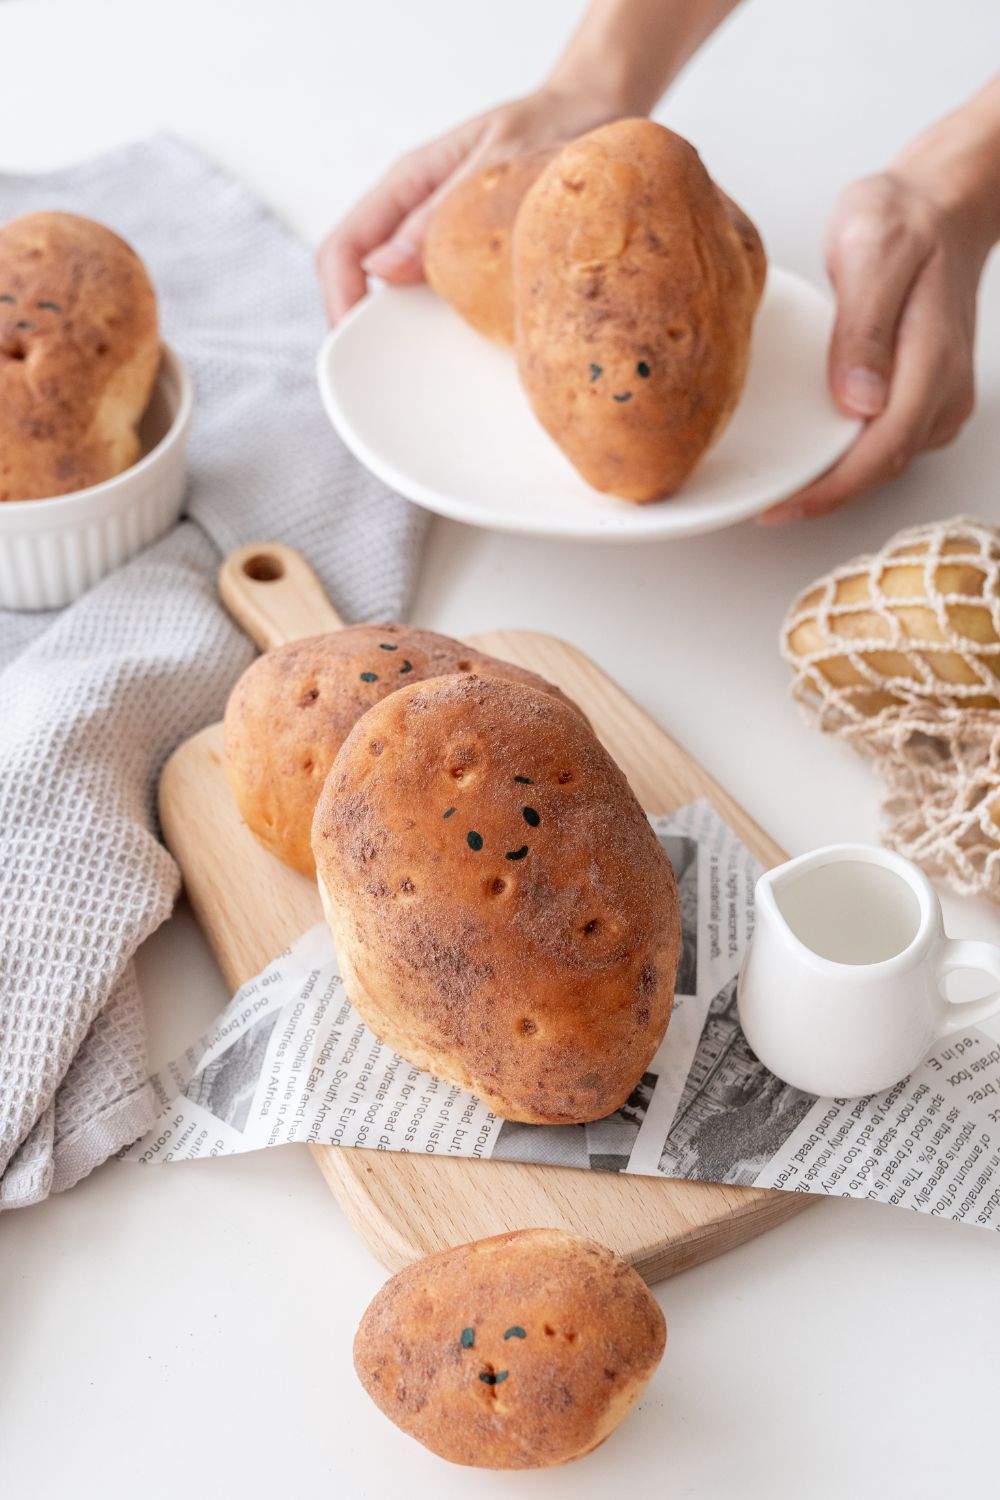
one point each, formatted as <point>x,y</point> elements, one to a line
<point>79,351</point>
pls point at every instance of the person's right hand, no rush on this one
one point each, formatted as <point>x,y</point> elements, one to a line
<point>383,233</point>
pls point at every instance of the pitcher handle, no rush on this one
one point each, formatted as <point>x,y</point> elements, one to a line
<point>981,957</point>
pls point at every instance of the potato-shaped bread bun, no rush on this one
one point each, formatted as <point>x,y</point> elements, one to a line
<point>503,913</point>
<point>79,351</point>
<point>517,1352</point>
<point>635,286</point>
<point>292,709</point>
<point>467,255</point>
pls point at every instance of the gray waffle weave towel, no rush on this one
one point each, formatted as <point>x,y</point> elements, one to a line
<point>92,700</point>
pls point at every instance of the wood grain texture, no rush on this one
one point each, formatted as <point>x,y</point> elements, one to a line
<point>250,907</point>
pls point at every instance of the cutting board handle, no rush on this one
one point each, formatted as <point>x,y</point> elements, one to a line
<point>273,593</point>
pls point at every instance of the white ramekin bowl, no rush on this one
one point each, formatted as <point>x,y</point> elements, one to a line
<point>52,551</point>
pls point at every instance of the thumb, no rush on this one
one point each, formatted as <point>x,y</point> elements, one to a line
<point>401,259</point>
<point>872,270</point>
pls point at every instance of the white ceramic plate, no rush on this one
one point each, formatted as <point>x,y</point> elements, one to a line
<point>438,413</point>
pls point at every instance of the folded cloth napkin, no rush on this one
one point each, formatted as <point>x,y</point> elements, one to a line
<point>93,699</point>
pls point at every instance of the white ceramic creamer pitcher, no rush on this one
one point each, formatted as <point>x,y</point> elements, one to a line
<point>842,986</point>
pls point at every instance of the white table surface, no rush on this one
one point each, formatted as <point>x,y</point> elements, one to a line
<point>187,1330</point>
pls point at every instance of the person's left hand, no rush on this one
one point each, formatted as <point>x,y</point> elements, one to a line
<point>905,269</point>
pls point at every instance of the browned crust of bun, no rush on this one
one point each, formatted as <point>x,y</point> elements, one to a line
<point>636,282</point>
<point>751,241</point>
<point>292,709</point>
<point>524,945</point>
<point>79,351</point>
<point>467,252</point>
<point>593,1336</point>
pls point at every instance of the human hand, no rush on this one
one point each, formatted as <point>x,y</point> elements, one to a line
<point>617,63</point>
<point>383,234</point>
<point>905,252</point>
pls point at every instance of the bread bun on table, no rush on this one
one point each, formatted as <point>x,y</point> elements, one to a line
<point>503,913</point>
<point>292,709</point>
<point>467,251</point>
<point>636,281</point>
<point>517,1352</point>
<point>79,352</point>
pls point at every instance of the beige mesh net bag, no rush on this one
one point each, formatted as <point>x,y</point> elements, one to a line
<point>899,653</point>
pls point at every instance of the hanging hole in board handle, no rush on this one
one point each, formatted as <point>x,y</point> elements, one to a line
<point>273,593</point>
<point>264,567</point>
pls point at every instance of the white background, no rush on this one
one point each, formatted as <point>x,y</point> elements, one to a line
<point>855,1351</point>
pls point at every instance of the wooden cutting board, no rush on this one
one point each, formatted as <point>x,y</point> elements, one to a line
<point>251,907</point>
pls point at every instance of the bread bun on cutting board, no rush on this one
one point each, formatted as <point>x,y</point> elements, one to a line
<point>503,913</point>
<point>292,709</point>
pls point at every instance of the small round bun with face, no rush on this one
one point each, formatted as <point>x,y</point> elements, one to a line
<point>292,709</point>
<point>518,1352</point>
<point>503,913</point>
<point>79,351</point>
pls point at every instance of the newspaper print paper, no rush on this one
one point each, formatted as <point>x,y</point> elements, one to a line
<point>290,1060</point>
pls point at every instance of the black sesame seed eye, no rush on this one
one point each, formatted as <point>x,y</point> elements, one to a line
<point>642,369</point>
<point>474,840</point>
<point>406,667</point>
<point>531,816</point>
<point>596,371</point>
<point>468,1338</point>
<point>24,324</point>
<point>517,1332</point>
<point>384,647</point>
<point>6,297</point>
<point>45,306</point>
<point>369,677</point>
